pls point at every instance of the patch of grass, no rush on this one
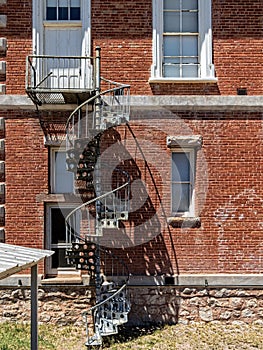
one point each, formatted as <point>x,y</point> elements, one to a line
<point>195,336</point>
<point>14,336</point>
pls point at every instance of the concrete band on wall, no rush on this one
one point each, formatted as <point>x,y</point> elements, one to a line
<point>210,103</point>
<point>184,280</point>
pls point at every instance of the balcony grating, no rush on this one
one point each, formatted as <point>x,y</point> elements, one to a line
<point>58,97</point>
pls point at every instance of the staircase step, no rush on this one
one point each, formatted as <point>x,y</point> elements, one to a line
<point>107,327</point>
<point>95,340</point>
<point>109,223</point>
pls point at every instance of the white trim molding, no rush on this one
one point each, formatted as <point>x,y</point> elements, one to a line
<point>206,71</point>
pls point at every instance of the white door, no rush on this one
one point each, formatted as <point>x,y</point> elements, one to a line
<point>62,28</point>
<point>63,41</point>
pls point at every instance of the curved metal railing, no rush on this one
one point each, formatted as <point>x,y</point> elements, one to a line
<point>113,305</point>
<point>112,107</point>
<point>110,188</point>
<point>89,218</point>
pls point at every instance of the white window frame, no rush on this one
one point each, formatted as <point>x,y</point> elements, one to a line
<point>50,246</point>
<point>191,144</point>
<point>207,73</point>
<point>52,170</point>
<point>191,209</point>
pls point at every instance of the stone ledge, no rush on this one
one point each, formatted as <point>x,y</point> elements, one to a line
<point>62,280</point>
<point>184,222</point>
<point>198,103</point>
<point>200,280</point>
<point>141,102</point>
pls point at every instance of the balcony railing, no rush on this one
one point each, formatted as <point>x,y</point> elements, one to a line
<point>58,79</point>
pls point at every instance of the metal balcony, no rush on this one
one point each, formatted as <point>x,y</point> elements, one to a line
<point>59,79</point>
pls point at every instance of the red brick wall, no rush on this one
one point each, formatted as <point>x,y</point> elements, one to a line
<point>237,36</point>
<point>26,174</point>
<point>228,192</point>
<point>124,31</point>
<point>19,39</point>
<point>228,197</point>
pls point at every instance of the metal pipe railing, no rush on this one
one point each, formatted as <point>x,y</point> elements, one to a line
<point>45,72</point>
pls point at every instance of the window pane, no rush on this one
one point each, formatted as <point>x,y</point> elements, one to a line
<point>75,13</point>
<point>171,71</point>
<point>190,22</point>
<point>180,197</point>
<point>172,60</point>
<point>171,45</point>
<point>75,10</point>
<point>51,13</point>
<point>190,4</point>
<point>190,60</point>
<point>171,22</point>
<point>63,179</point>
<point>180,167</point>
<point>190,45</point>
<point>190,71</point>
<point>171,4</point>
<point>51,3</point>
<point>63,13</point>
<point>58,230</point>
<point>63,10</point>
<point>63,3</point>
<point>75,3</point>
<point>58,258</point>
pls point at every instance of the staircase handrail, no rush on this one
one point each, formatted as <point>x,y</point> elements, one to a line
<point>102,93</point>
<point>94,200</point>
<point>96,306</point>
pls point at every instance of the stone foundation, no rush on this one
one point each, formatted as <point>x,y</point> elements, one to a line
<point>150,305</point>
<point>172,305</point>
<point>57,305</point>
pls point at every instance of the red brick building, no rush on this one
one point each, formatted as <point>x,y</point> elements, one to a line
<point>190,146</point>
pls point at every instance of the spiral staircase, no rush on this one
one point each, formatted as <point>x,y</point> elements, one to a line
<point>105,192</point>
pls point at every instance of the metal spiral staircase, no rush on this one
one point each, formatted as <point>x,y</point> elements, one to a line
<point>105,192</point>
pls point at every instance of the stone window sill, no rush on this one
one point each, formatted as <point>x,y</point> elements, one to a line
<point>62,280</point>
<point>184,222</point>
<point>210,80</point>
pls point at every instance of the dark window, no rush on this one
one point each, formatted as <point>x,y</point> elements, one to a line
<point>51,13</point>
<point>58,236</point>
<point>62,10</point>
<point>75,13</point>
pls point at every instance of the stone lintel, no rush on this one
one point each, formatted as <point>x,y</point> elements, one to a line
<point>188,141</point>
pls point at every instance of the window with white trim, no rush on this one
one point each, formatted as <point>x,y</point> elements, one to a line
<point>182,40</point>
<point>61,180</point>
<point>62,10</point>
<point>182,181</point>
